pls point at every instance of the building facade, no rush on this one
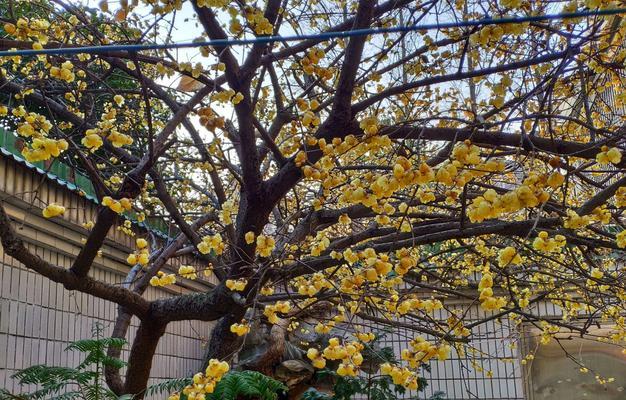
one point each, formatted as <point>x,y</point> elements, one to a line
<point>38,317</point>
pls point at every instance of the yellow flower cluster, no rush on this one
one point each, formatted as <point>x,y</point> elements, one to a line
<point>37,127</point>
<point>421,351</point>
<point>555,179</point>
<point>126,227</point>
<point>466,153</point>
<point>310,287</point>
<point>601,214</point>
<point>187,271</point>
<point>620,197</point>
<point>108,123</point>
<point>211,243</point>
<point>597,273</point>
<point>119,100</point>
<point>118,139</point>
<point>142,256</point>
<point>53,210</point>
<point>365,337</point>
<point>620,238</point>
<point>524,298</point>
<point>456,325</point>
<point>320,244</point>
<point>44,148</point>
<point>324,328</point>
<point>270,310</point>
<point>384,186</point>
<point>487,299</point>
<point>511,3</point>
<point>406,175</point>
<point>492,205</point>
<point>544,243</point>
<point>491,34</point>
<point>258,22</point>
<point>405,262</point>
<point>265,245</point>
<point>547,332</point>
<point>209,119</point>
<point>236,285</point>
<point>400,375</point>
<point>309,119</point>
<point>123,204</point>
<point>575,221</point>
<point>204,383</point>
<point>267,290</point>
<point>163,279</point>
<point>240,329</point>
<point>64,73</point>
<point>411,304</point>
<point>304,105</point>
<point>25,29</point>
<point>212,3</point>
<point>609,156</point>
<point>508,256</point>
<point>316,358</point>
<point>92,139</point>
<point>349,354</point>
<point>34,125</point>
<point>249,237</point>
<point>369,126</point>
<point>235,26</point>
<point>226,96</point>
<point>344,219</point>
<point>310,62</point>
<point>228,209</point>
<point>375,266</point>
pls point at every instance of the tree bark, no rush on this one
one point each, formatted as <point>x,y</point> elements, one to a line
<point>111,374</point>
<point>224,344</point>
<point>141,357</point>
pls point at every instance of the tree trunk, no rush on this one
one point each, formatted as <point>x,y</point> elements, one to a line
<point>141,356</point>
<point>111,374</point>
<point>224,344</point>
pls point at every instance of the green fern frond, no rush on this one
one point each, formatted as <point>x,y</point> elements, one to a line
<point>168,386</point>
<point>6,395</point>
<point>247,384</point>
<point>267,387</point>
<point>91,345</point>
<point>84,382</point>
<point>47,392</point>
<point>67,396</point>
<point>98,392</point>
<point>228,388</point>
<point>43,375</point>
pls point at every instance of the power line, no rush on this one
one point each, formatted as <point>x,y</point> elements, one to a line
<point>314,36</point>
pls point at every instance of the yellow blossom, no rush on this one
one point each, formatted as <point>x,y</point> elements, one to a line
<point>53,210</point>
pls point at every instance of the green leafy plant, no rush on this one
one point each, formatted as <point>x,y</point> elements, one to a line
<point>83,382</point>
<point>168,386</point>
<point>234,385</point>
<point>249,384</point>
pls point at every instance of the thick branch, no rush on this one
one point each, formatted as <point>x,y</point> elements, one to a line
<point>562,148</point>
<point>14,247</point>
<point>425,235</point>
